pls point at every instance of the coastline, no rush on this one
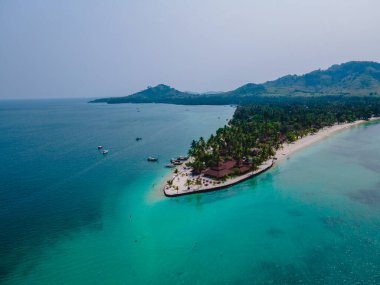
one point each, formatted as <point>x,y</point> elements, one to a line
<point>290,148</point>
<point>284,152</point>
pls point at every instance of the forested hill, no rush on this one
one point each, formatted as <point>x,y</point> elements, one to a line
<point>352,78</point>
<point>356,78</point>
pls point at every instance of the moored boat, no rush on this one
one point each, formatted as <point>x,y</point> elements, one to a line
<point>175,161</point>
<point>150,158</point>
<point>105,151</point>
<point>100,146</point>
<point>183,158</point>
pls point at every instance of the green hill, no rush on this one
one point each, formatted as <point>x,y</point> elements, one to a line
<point>356,78</point>
<point>166,94</point>
<point>352,78</point>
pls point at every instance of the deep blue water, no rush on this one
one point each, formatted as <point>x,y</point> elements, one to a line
<point>69,215</point>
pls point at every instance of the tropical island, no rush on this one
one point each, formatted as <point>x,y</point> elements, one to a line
<point>261,134</point>
<point>271,121</point>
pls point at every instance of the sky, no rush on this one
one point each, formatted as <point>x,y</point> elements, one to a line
<point>80,48</point>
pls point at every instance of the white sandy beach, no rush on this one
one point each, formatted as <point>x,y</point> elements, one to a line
<point>207,184</point>
<point>288,149</point>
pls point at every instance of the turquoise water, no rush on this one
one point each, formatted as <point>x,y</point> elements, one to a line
<point>69,215</point>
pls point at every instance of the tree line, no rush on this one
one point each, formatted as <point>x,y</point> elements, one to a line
<point>257,130</point>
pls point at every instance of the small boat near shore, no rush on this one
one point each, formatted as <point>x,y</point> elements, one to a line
<point>169,165</point>
<point>175,161</point>
<point>152,159</point>
<point>182,158</point>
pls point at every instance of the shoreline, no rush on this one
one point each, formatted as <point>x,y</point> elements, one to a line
<point>290,148</point>
<point>284,152</point>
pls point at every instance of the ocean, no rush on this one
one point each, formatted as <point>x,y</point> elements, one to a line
<point>70,215</point>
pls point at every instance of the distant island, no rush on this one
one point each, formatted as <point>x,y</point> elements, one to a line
<point>355,78</point>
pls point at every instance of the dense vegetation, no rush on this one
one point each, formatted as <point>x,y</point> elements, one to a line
<point>348,79</point>
<point>257,130</point>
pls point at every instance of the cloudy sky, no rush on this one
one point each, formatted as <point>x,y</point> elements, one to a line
<point>79,48</point>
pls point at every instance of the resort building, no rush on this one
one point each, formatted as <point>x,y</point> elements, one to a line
<point>227,168</point>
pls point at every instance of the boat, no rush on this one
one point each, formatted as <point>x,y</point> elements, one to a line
<point>138,139</point>
<point>183,158</point>
<point>152,158</point>
<point>170,165</point>
<point>100,146</point>
<point>105,151</point>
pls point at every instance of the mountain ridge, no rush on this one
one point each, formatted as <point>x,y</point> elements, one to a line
<point>354,78</point>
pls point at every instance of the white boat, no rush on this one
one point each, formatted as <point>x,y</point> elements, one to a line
<point>105,151</point>
<point>100,146</point>
<point>152,158</point>
<point>170,165</point>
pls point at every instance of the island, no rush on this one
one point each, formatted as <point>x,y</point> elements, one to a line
<point>271,121</point>
<point>260,135</point>
<point>355,78</point>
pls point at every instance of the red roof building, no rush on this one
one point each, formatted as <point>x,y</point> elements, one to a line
<point>227,168</point>
<point>223,169</point>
